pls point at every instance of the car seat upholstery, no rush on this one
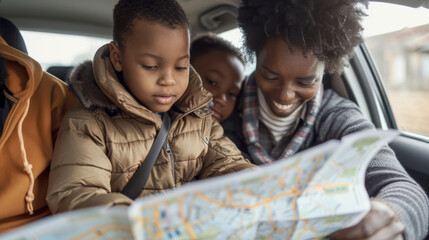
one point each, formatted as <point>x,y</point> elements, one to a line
<point>336,83</point>
<point>11,34</point>
<point>61,72</point>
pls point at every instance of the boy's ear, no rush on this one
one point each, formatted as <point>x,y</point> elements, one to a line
<point>115,56</point>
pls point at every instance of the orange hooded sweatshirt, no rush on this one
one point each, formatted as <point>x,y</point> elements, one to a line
<point>27,141</point>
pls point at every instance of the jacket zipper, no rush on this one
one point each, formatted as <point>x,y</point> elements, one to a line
<point>170,156</point>
<point>167,144</point>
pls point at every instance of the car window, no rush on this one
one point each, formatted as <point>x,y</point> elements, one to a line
<point>398,40</point>
<point>235,37</point>
<point>52,49</point>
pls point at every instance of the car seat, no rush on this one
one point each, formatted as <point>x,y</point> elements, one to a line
<point>11,34</point>
<point>61,72</point>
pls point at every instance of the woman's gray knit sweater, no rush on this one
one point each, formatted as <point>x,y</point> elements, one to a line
<point>385,179</point>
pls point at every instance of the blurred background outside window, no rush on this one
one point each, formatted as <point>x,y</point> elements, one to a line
<point>398,40</point>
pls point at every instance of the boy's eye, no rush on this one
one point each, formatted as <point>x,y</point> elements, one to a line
<point>148,67</point>
<point>211,82</point>
<point>232,95</point>
<point>270,78</point>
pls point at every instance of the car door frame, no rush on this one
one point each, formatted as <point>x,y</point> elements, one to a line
<point>412,150</point>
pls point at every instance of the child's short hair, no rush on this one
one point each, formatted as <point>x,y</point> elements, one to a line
<point>206,42</point>
<point>166,12</point>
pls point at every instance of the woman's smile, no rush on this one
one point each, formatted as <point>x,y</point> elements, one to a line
<point>282,107</point>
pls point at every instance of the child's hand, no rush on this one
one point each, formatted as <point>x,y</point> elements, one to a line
<point>380,223</point>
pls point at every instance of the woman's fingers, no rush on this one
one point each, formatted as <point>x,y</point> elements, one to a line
<point>393,231</point>
<point>380,220</point>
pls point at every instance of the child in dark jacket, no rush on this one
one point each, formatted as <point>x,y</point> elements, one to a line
<point>221,67</point>
<point>143,74</point>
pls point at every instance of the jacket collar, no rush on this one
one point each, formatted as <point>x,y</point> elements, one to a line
<point>97,86</point>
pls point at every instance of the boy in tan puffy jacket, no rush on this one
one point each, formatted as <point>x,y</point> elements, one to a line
<point>142,74</point>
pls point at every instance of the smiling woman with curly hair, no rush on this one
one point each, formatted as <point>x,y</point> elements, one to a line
<point>283,108</point>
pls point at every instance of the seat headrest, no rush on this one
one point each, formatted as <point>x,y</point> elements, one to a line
<point>11,34</point>
<point>61,72</point>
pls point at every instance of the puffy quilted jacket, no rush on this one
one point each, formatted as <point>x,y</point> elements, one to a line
<point>101,144</point>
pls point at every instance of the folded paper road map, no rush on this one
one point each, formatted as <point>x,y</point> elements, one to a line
<point>306,196</point>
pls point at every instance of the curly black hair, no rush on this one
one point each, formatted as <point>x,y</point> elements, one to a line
<point>329,29</point>
<point>206,42</point>
<point>165,12</point>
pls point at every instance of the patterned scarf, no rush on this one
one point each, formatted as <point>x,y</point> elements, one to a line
<point>251,124</point>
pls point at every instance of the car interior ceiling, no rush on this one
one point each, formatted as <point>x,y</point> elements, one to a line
<point>410,3</point>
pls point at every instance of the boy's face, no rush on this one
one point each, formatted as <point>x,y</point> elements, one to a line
<point>154,60</point>
<point>222,74</point>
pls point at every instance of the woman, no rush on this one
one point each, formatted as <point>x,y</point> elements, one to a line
<point>283,108</point>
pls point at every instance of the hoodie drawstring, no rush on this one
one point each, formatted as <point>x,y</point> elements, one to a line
<point>27,167</point>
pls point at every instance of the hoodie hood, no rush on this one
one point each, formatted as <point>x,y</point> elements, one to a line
<point>22,88</point>
<point>96,84</point>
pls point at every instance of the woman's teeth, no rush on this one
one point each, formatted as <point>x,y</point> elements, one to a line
<point>283,107</point>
